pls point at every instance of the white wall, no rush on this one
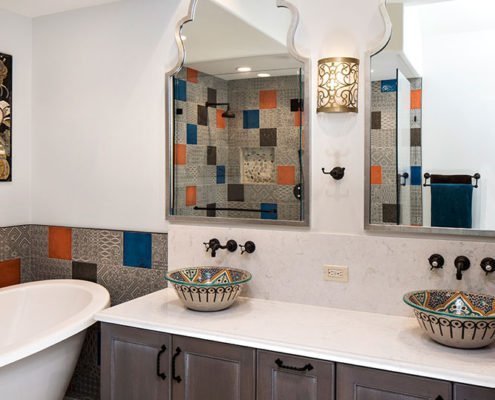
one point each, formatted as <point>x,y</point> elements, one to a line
<point>98,119</point>
<point>458,133</point>
<point>15,39</point>
<point>99,157</point>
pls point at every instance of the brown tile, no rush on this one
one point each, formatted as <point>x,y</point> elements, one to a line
<point>84,271</point>
<point>376,120</point>
<point>60,243</point>
<point>268,137</point>
<point>235,192</point>
<point>202,115</point>
<point>415,136</point>
<point>390,213</point>
<point>10,273</point>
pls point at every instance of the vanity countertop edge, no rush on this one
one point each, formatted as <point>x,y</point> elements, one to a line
<point>386,342</point>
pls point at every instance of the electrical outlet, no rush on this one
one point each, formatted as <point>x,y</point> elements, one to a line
<point>336,273</point>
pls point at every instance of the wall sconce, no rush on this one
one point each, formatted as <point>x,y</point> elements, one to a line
<point>338,79</point>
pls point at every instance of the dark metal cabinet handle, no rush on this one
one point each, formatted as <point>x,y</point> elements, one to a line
<point>158,359</point>
<point>178,379</point>
<point>280,364</point>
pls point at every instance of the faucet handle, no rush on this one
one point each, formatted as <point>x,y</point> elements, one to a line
<point>212,243</point>
<point>436,261</point>
<point>248,247</point>
<point>488,265</point>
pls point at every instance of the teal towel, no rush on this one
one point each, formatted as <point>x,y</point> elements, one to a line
<point>451,205</point>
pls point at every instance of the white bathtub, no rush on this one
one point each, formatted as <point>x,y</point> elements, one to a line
<point>42,328</point>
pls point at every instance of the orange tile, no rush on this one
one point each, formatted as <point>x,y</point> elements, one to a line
<point>10,273</point>
<point>60,243</point>
<point>180,154</point>
<point>416,99</point>
<point>221,124</point>
<point>268,99</point>
<point>286,175</point>
<point>298,118</point>
<point>192,75</point>
<point>376,175</point>
<point>191,195</point>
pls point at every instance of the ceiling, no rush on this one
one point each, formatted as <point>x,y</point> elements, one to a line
<point>219,40</point>
<point>38,8</point>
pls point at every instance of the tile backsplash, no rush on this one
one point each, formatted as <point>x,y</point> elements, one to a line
<point>128,264</point>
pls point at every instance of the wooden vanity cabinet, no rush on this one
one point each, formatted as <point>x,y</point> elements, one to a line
<point>134,363</point>
<point>357,383</point>
<point>466,392</point>
<point>211,370</point>
<point>139,364</point>
<point>286,377</point>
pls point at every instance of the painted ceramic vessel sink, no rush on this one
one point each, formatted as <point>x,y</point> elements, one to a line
<point>453,318</point>
<point>208,288</point>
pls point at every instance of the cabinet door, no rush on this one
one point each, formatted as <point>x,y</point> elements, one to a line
<point>465,392</point>
<point>204,370</point>
<point>284,377</point>
<point>134,364</point>
<point>356,383</point>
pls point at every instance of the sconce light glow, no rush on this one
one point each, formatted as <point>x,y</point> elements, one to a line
<point>243,69</point>
<point>338,84</point>
<point>263,75</point>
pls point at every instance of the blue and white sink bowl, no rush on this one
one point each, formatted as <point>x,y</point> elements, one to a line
<point>208,288</point>
<point>454,318</point>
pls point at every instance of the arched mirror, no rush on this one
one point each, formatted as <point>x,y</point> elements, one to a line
<point>237,136</point>
<point>430,120</point>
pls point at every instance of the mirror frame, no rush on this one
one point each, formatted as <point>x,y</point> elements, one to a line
<point>169,127</point>
<point>385,228</point>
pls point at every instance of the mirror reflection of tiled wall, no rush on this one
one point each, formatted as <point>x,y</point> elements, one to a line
<point>251,161</point>
<point>384,154</point>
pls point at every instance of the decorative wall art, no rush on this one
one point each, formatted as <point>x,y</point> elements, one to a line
<point>5,118</point>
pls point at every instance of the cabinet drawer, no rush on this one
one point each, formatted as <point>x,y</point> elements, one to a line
<point>286,377</point>
<point>357,383</point>
<point>466,392</point>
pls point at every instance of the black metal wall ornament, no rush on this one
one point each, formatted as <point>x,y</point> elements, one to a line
<point>336,173</point>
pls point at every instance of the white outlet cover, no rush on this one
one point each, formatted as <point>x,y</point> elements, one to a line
<point>336,273</point>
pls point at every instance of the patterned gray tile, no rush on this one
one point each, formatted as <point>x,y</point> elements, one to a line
<point>110,247</point>
<point>85,245</point>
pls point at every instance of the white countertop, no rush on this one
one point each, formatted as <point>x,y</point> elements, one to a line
<point>365,339</point>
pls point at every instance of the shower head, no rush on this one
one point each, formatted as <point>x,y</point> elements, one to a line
<point>227,113</point>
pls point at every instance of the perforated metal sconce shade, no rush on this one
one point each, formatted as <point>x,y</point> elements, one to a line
<point>338,83</point>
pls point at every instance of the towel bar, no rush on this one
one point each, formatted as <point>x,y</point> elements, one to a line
<point>476,177</point>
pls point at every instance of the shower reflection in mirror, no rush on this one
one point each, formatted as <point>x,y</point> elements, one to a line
<point>238,116</point>
<point>432,102</point>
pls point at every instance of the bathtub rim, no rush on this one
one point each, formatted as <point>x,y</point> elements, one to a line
<point>66,328</point>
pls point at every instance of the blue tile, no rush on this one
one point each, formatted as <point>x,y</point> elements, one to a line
<point>251,119</point>
<point>180,90</point>
<point>269,211</point>
<point>416,179</point>
<point>192,134</point>
<point>137,249</point>
<point>389,85</point>
<point>220,174</point>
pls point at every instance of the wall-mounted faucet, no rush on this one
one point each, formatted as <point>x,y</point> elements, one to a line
<point>214,245</point>
<point>461,263</point>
